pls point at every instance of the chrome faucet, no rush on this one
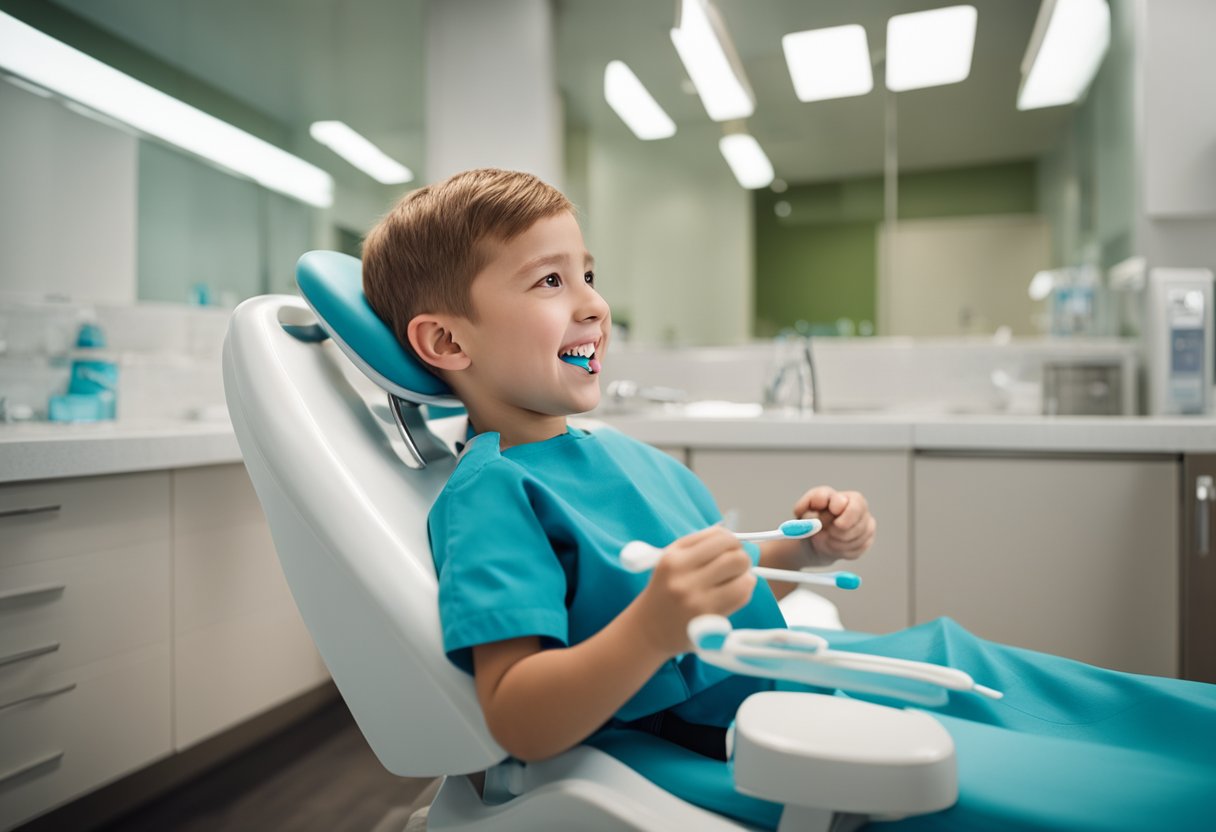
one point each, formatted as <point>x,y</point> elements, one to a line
<point>793,382</point>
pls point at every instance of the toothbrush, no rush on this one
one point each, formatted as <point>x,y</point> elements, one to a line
<point>589,364</point>
<point>638,556</point>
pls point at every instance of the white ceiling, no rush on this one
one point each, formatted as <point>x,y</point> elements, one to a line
<point>362,61</point>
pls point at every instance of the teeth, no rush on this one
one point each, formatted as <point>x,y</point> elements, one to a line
<point>584,350</point>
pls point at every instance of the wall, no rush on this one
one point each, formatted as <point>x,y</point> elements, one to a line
<point>819,262</point>
<point>67,204</point>
<point>671,232</point>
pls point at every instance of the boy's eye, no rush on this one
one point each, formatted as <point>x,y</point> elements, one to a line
<point>552,280</point>
<point>590,278</point>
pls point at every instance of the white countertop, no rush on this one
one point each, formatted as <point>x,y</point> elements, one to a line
<point>47,451</point>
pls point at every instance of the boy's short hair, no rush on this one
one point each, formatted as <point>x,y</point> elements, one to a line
<point>423,255</point>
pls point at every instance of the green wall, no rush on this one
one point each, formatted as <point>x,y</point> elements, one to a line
<point>819,263</point>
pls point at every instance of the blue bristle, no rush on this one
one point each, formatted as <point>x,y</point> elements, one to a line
<point>847,580</point>
<point>796,528</point>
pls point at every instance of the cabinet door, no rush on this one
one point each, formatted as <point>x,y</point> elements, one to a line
<point>1076,557</point>
<point>761,486</point>
<point>240,645</point>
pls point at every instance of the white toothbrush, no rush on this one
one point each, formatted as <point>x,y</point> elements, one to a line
<point>638,556</point>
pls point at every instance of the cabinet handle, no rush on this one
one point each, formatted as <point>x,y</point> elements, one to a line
<point>1205,494</point>
<point>30,591</point>
<point>33,697</point>
<point>18,512</point>
<point>22,655</point>
<point>17,771</point>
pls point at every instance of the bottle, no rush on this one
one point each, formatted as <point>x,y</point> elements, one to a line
<point>92,393</point>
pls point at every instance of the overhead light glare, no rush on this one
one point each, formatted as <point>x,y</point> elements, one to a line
<point>829,63</point>
<point>1069,41</point>
<point>68,72</point>
<point>747,160</point>
<point>354,148</point>
<point>712,64</point>
<point>631,101</point>
<point>929,49</point>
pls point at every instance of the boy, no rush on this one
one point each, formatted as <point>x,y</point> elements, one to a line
<point>485,278</point>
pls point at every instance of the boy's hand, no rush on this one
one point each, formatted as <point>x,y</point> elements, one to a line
<point>848,526</point>
<point>704,572</point>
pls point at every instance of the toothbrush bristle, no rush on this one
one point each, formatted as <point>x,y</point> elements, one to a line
<point>847,580</point>
<point>797,528</point>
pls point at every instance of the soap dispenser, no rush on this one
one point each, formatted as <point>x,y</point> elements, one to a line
<point>93,381</point>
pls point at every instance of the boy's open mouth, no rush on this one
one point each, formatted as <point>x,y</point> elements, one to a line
<point>581,355</point>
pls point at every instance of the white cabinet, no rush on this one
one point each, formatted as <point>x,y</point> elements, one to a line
<point>1072,556</point>
<point>240,646</point>
<point>761,486</point>
<point>84,636</point>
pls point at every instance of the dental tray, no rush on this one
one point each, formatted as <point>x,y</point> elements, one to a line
<point>805,657</point>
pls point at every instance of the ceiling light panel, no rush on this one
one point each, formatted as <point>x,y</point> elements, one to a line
<point>68,72</point>
<point>1070,38</point>
<point>712,64</point>
<point>747,160</point>
<point>929,49</point>
<point>829,63</point>
<point>354,148</point>
<point>634,103</point>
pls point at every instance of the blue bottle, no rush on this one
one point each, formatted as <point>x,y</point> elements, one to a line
<point>93,382</point>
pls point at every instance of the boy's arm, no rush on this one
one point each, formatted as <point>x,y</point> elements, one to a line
<point>848,531</point>
<point>538,703</point>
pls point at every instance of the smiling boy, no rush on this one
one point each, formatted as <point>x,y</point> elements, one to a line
<point>486,279</point>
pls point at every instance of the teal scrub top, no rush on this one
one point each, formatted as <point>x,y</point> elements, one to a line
<point>527,541</point>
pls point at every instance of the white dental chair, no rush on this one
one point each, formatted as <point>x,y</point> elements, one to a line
<point>346,475</point>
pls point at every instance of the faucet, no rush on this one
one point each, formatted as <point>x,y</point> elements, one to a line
<point>796,370</point>
<point>623,391</point>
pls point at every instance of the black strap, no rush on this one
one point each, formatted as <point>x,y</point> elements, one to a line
<point>706,740</point>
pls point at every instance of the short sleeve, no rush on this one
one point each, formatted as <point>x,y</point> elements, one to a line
<point>499,577</point>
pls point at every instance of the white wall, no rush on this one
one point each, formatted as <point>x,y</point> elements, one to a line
<point>671,231</point>
<point>67,202</point>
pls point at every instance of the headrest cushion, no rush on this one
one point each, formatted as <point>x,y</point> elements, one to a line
<point>332,286</point>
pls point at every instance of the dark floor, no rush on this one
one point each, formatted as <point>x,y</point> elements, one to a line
<point>318,775</point>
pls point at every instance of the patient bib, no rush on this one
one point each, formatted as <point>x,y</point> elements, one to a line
<point>526,542</point>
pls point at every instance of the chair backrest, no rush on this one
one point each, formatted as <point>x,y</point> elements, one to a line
<point>348,516</point>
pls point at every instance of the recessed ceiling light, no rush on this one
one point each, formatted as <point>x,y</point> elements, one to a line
<point>634,103</point>
<point>710,59</point>
<point>42,60</point>
<point>356,149</point>
<point>747,160</point>
<point>829,63</point>
<point>928,49</point>
<point>1070,37</point>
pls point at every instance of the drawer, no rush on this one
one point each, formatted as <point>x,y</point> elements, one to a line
<point>59,518</point>
<point>115,720</point>
<point>214,496</point>
<point>77,610</point>
<point>233,670</point>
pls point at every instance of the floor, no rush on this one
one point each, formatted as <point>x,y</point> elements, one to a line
<point>318,775</point>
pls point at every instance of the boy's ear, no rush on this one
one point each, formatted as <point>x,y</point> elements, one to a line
<point>431,338</point>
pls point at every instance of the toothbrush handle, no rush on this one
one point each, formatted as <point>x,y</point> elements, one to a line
<point>794,577</point>
<point>771,535</point>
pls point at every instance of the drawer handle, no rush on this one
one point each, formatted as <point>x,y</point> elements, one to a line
<point>34,697</point>
<point>20,512</point>
<point>29,654</point>
<point>30,591</point>
<point>14,773</point>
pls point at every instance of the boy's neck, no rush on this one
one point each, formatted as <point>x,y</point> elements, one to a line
<point>519,431</point>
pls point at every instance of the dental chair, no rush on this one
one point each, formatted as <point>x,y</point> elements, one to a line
<point>329,413</point>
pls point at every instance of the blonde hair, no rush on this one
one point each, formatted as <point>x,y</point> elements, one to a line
<point>423,255</point>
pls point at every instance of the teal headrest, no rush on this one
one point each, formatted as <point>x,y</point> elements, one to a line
<point>332,286</point>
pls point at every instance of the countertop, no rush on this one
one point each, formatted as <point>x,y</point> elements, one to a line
<point>47,451</point>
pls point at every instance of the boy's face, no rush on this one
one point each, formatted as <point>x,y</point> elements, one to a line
<point>534,300</point>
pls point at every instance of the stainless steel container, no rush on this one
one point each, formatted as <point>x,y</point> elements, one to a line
<point>1075,389</point>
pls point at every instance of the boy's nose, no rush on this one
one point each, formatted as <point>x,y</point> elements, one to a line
<point>592,305</point>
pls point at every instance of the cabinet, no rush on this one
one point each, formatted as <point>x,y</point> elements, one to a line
<point>1072,556</point>
<point>240,646</point>
<point>84,636</point>
<point>761,486</point>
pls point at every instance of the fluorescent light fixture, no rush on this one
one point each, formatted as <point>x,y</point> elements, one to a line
<point>1069,40</point>
<point>829,63</point>
<point>361,153</point>
<point>928,49</point>
<point>634,103</point>
<point>747,160</point>
<point>42,60</point>
<point>712,64</point>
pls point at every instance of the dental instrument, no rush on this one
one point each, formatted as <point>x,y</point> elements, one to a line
<point>639,556</point>
<point>591,365</point>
